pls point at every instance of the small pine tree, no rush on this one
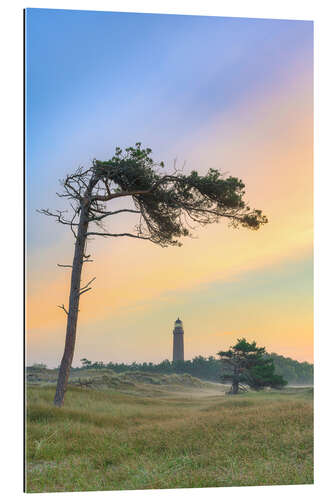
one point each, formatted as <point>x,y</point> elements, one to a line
<point>246,362</point>
<point>86,363</point>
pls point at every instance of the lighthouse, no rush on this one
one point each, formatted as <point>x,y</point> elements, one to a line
<point>178,341</point>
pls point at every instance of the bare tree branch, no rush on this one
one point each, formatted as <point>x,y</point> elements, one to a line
<point>106,214</point>
<point>75,213</point>
<point>68,185</point>
<point>58,215</point>
<point>89,283</point>
<point>63,308</point>
<point>119,234</point>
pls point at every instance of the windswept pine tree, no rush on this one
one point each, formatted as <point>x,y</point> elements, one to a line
<point>165,205</point>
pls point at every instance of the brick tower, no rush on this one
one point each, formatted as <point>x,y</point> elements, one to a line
<point>178,341</point>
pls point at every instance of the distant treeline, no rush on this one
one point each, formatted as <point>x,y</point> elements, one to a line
<point>209,368</point>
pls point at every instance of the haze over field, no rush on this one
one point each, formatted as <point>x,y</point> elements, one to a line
<point>232,94</point>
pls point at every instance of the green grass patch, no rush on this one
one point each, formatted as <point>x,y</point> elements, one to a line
<point>105,439</point>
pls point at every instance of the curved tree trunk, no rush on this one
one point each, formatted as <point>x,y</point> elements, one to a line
<point>73,309</point>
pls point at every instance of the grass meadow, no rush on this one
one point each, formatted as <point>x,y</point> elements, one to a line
<point>166,435</point>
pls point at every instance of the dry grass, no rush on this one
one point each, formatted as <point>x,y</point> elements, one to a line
<point>109,440</point>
